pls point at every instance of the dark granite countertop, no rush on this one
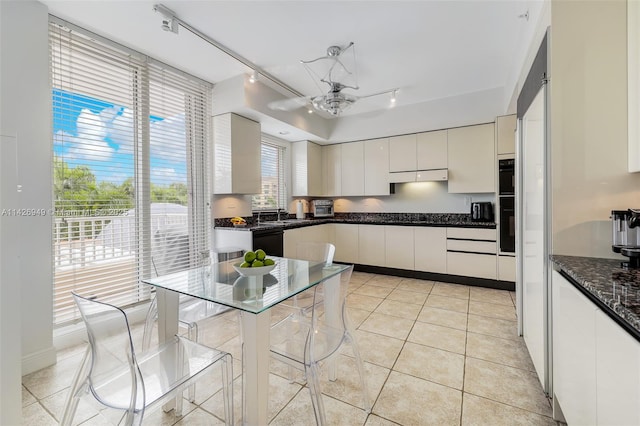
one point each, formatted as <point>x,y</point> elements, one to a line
<point>614,289</point>
<point>399,219</point>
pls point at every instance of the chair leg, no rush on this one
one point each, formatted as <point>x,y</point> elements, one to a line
<point>77,384</point>
<point>227,388</point>
<point>313,381</point>
<point>152,315</point>
<point>363,380</point>
<point>192,334</point>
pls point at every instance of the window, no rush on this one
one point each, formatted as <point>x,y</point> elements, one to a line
<point>130,169</point>
<point>274,194</point>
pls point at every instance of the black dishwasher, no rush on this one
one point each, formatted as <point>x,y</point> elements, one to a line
<point>270,240</point>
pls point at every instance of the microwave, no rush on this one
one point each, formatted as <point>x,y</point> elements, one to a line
<point>322,208</point>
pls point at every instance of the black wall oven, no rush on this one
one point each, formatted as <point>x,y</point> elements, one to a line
<point>507,211</point>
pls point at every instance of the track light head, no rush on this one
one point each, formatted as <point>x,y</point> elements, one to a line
<point>169,21</point>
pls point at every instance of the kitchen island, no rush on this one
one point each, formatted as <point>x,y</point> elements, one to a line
<point>596,341</point>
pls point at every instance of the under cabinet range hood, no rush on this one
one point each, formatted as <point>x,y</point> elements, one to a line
<point>419,176</point>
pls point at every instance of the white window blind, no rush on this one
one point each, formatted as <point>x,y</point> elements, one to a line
<point>273,194</point>
<point>130,169</point>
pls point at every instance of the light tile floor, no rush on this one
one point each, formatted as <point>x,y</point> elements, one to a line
<point>435,354</point>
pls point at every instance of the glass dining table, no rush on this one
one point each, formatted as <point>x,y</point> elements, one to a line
<point>253,296</point>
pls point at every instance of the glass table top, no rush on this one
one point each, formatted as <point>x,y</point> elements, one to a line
<point>221,283</point>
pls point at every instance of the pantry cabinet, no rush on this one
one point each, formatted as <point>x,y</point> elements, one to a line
<point>236,158</point>
<point>471,159</point>
<point>306,169</point>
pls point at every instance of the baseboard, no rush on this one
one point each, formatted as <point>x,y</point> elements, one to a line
<point>432,276</point>
<point>38,360</point>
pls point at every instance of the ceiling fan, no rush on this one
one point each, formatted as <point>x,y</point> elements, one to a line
<point>330,70</point>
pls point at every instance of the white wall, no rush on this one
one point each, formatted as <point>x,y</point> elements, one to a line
<point>588,86</point>
<point>25,115</point>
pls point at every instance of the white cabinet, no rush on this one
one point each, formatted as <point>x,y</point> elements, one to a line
<point>471,159</point>
<point>574,353</point>
<point>506,134</point>
<point>430,249</point>
<point>332,170</point>
<point>507,268</point>
<point>431,150</point>
<point>402,153</point>
<point>306,169</point>
<point>399,247</point>
<point>371,245</point>
<point>617,374</point>
<point>472,252</point>
<point>236,158</point>
<point>317,233</point>
<point>376,167</point>
<point>352,168</point>
<point>346,242</point>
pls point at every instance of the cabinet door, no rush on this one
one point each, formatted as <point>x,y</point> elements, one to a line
<point>371,250</point>
<point>507,268</point>
<point>398,241</point>
<point>376,167</point>
<point>574,352</point>
<point>617,374</point>
<point>471,159</point>
<point>402,153</point>
<point>346,242</point>
<point>506,134</point>
<point>352,168</point>
<point>431,151</point>
<point>306,164</point>
<point>430,249</point>
<point>332,170</point>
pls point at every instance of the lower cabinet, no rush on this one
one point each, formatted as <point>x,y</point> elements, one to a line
<point>472,252</point>
<point>507,268</point>
<point>371,245</point>
<point>346,242</point>
<point>596,363</point>
<point>399,247</point>
<point>430,249</point>
<point>319,233</point>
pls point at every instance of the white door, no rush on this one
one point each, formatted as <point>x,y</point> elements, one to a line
<point>533,220</point>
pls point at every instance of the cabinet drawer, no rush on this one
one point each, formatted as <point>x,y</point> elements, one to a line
<point>472,234</point>
<point>472,265</point>
<point>472,245</point>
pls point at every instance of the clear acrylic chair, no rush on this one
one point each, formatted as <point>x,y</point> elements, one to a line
<point>119,378</point>
<point>303,342</point>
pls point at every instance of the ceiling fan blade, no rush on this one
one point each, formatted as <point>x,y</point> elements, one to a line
<point>289,104</point>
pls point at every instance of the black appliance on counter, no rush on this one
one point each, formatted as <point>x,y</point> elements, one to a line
<point>626,235</point>
<point>482,212</point>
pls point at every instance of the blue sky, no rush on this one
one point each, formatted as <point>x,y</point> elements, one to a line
<point>98,134</point>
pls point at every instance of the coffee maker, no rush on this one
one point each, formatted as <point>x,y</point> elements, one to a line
<point>626,235</point>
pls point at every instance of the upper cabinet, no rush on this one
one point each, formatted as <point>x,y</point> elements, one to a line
<point>376,167</point>
<point>471,159</point>
<point>306,165</point>
<point>506,134</point>
<point>431,150</point>
<point>332,170</point>
<point>236,159</point>
<point>352,168</point>
<point>402,153</point>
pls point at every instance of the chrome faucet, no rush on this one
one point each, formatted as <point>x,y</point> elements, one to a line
<point>278,215</point>
<point>258,217</point>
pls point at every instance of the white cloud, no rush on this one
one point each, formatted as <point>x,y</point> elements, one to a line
<point>88,143</point>
<point>120,131</point>
<point>166,175</point>
<point>168,138</point>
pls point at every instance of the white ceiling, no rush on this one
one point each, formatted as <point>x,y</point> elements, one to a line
<point>462,55</point>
